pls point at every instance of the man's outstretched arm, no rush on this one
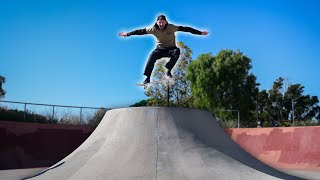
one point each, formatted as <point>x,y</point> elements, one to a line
<point>135,32</point>
<point>191,30</point>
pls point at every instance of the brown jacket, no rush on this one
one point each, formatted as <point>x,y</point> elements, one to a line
<point>166,37</point>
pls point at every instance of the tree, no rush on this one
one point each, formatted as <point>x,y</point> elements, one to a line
<point>285,101</point>
<point>224,82</point>
<point>2,91</point>
<point>179,88</point>
<point>140,103</point>
<point>97,117</point>
<point>305,107</point>
<point>276,101</point>
<point>264,106</point>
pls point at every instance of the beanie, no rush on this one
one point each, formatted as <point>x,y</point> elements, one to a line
<point>161,17</point>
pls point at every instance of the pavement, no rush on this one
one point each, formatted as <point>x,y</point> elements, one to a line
<point>159,143</point>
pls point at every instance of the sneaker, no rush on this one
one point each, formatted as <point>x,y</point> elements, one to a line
<point>169,75</point>
<point>147,80</point>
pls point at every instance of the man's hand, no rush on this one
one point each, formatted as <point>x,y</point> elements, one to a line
<point>124,34</point>
<point>204,33</point>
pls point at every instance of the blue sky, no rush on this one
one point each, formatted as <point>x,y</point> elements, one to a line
<point>68,52</point>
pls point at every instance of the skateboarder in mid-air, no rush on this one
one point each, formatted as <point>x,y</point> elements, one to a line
<point>166,43</point>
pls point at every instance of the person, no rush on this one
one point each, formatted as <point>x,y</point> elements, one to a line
<point>166,43</point>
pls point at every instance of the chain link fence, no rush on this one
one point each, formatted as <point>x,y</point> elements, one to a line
<point>49,113</point>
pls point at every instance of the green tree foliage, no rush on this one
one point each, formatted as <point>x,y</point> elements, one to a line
<point>264,106</point>
<point>275,107</point>
<point>224,82</point>
<point>140,103</point>
<point>2,81</point>
<point>276,99</point>
<point>305,106</point>
<point>179,88</point>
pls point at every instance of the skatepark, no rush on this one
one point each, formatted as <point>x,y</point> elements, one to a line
<point>99,89</point>
<point>159,143</point>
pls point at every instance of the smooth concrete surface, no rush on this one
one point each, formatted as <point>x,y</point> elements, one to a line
<point>305,174</point>
<point>159,143</point>
<point>15,174</point>
<point>282,147</point>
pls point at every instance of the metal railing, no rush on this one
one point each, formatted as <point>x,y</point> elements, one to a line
<point>53,116</point>
<point>53,106</point>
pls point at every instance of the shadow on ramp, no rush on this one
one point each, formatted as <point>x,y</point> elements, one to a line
<point>43,171</point>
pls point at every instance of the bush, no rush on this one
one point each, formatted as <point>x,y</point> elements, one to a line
<point>21,116</point>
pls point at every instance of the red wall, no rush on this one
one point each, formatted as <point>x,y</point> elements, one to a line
<point>289,148</point>
<point>28,145</point>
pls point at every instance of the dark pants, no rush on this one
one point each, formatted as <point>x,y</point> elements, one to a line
<point>173,53</point>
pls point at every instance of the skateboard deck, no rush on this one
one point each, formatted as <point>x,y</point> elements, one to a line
<point>155,82</point>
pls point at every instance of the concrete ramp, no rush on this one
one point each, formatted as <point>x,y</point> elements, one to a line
<point>162,144</point>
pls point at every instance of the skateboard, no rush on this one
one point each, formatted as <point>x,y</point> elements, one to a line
<point>166,79</point>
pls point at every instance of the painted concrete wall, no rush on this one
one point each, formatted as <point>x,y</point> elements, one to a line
<point>289,148</point>
<point>28,145</point>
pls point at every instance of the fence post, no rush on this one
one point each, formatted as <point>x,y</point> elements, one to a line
<point>80,114</point>
<point>53,109</point>
<point>25,111</point>
<point>52,114</point>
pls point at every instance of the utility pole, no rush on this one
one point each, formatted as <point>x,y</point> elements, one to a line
<point>257,108</point>
<point>292,106</point>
